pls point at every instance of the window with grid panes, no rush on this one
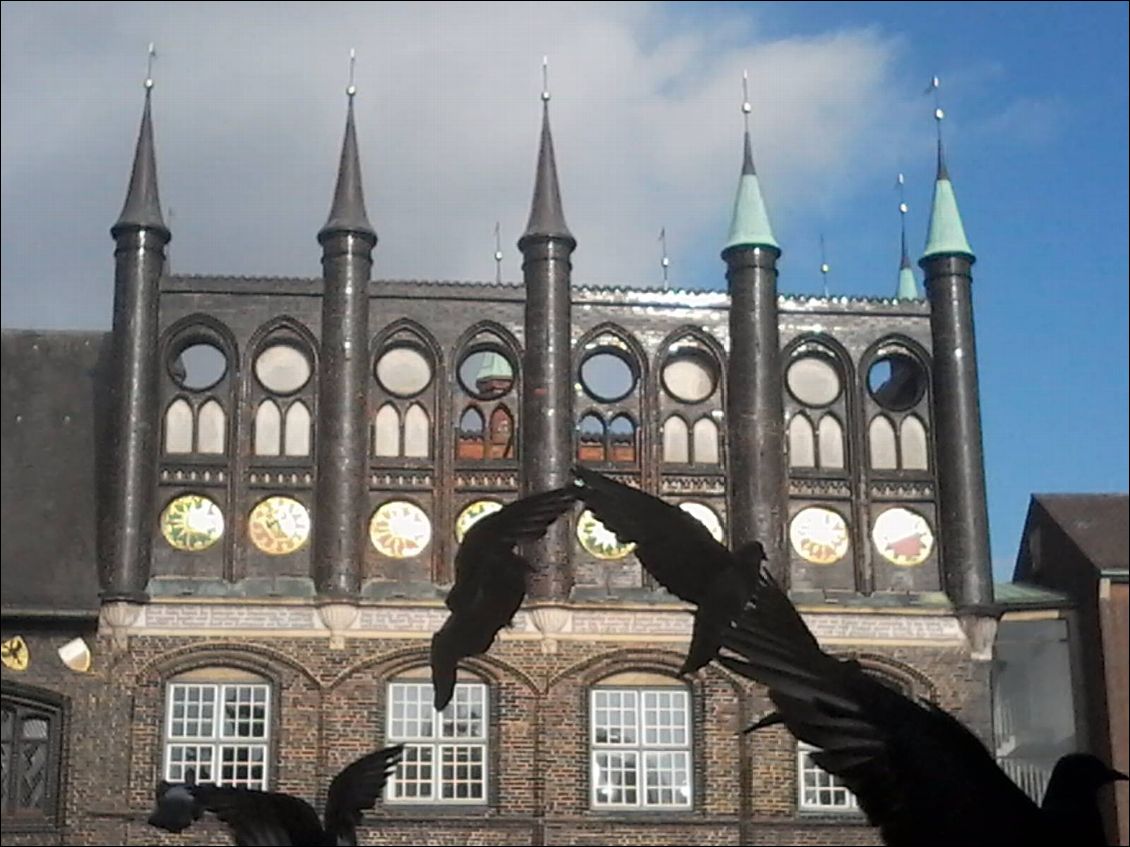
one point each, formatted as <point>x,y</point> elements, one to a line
<point>640,746</point>
<point>218,728</point>
<point>818,790</point>
<point>445,753</point>
<point>29,744</point>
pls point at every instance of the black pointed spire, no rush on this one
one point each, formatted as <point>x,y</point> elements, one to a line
<point>943,171</point>
<point>547,220</point>
<point>347,214</point>
<point>142,208</point>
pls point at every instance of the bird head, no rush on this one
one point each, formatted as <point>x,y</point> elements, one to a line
<point>177,808</point>
<point>1086,771</point>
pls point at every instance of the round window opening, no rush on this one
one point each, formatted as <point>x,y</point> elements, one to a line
<point>813,380</point>
<point>896,382</point>
<point>400,530</point>
<point>198,366</point>
<point>282,369</point>
<point>607,377</point>
<point>472,514</point>
<point>486,374</point>
<point>689,376</point>
<point>403,371</point>
<point>192,523</point>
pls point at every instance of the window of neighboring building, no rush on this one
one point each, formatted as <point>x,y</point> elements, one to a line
<point>445,753</point>
<point>640,743</point>
<point>30,734</point>
<point>818,790</point>
<point>218,728</point>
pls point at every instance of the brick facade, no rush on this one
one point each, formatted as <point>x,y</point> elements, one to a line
<point>329,707</point>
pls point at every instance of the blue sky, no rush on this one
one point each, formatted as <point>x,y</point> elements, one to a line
<point>249,109</point>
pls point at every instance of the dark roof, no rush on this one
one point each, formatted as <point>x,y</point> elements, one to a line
<point>48,382</point>
<point>1098,524</point>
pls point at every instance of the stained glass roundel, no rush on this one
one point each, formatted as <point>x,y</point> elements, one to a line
<point>903,537</point>
<point>472,514</point>
<point>279,525</point>
<point>599,540</point>
<point>192,523</point>
<point>819,536</point>
<point>400,529</point>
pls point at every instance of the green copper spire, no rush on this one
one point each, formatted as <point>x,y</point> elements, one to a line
<point>946,235</point>
<point>908,287</point>
<point>750,225</point>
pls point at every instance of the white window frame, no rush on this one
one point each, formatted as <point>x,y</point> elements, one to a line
<point>809,797</point>
<point>218,742</point>
<point>636,753</point>
<point>434,739</point>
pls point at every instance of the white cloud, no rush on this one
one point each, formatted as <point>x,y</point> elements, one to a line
<point>249,110</point>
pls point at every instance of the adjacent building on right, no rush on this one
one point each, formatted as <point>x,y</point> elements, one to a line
<point>1067,612</point>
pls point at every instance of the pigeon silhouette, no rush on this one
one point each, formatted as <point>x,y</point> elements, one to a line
<point>271,818</point>
<point>490,582</point>
<point>682,555</point>
<point>917,772</point>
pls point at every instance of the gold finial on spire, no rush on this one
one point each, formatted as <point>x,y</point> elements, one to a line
<point>351,89</point>
<point>901,184</point>
<point>664,261</point>
<point>545,79</point>
<point>152,54</point>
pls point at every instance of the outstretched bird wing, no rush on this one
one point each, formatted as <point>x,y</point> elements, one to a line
<point>917,772</point>
<point>673,545</point>
<point>261,817</point>
<point>489,543</point>
<point>357,788</point>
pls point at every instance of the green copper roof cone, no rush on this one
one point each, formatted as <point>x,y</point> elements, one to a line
<point>750,226</point>
<point>946,235</point>
<point>908,286</point>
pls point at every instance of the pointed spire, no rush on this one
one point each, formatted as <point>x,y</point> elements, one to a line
<point>908,287</point>
<point>749,226</point>
<point>547,220</point>
<point>946,234</point>
<point>142,208</point>
<point>347,214</point>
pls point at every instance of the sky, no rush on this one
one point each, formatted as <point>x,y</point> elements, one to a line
<point>249,105</point>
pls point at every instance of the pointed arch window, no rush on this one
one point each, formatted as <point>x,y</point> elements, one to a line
<point>31,736</point>
<point>912,440</point>
<point>830,443</point>
<point>417,432</point>
<point>487,391</point>
<point>622,439</point>
<point>404,388</point>
<point>705,442</point>
<point>179,427</point>
<point>591,439</point>
<point>802,445</point>
<point>283,389</point>
<point>881,439</point>
<point>676,441</point>
<point>268,429</point>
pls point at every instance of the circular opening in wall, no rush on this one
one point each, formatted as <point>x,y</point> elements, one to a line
<point>403,371</point>
<point>813,380</point>
<point>198,366</point>
<point>282,369</point>
<point>896,381</point>
<point>607,376</point>
<point>689,376</point>
<point>486,373</point>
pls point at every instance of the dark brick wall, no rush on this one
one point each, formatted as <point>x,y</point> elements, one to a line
<point>330,707</point>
